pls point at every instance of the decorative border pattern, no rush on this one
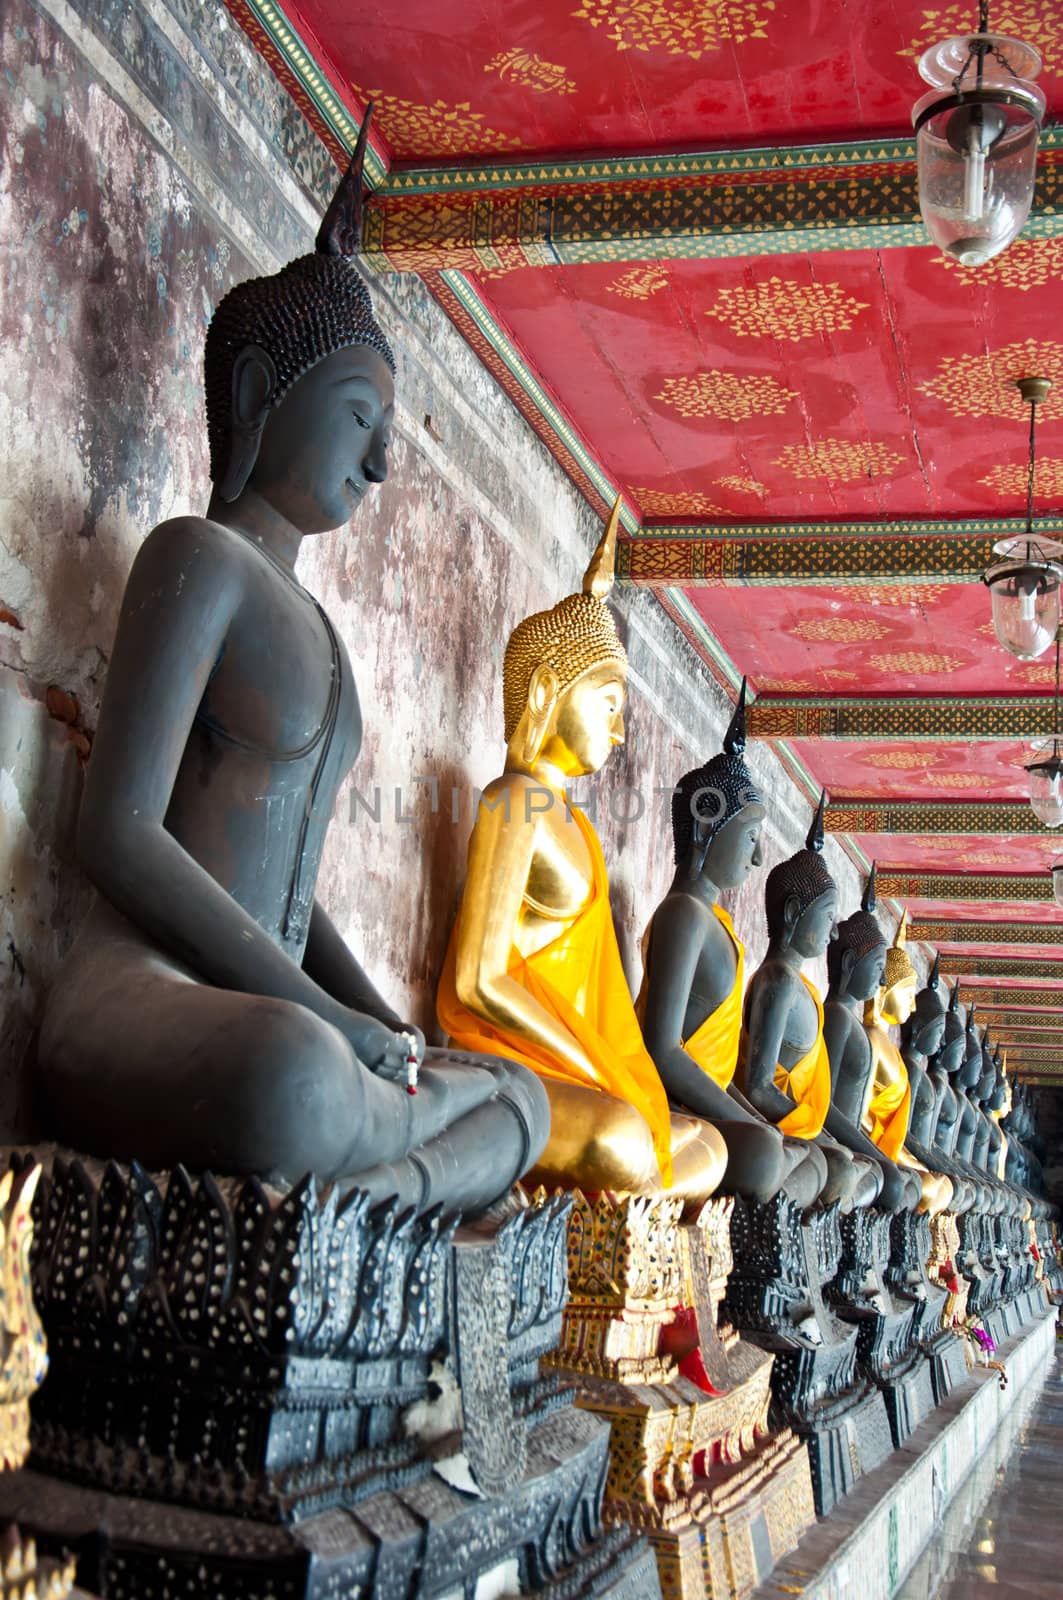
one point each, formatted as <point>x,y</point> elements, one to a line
<point>933,816</point>
<point>780,555</point>
<point>995,887</point>
<point>911,718</point>
<point>1032,933</point>
<point>1005,1000</point>
<point>1000,967</point>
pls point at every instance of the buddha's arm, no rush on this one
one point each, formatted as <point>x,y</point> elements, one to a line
<point>501,852</point>
<point>329,961</point>
<point>768,1008</point>
<point>678,934</point>
<point>182,594</point>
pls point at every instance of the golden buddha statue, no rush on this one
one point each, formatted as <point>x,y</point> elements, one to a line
<point>533,972</point>
<point>889,1105</point>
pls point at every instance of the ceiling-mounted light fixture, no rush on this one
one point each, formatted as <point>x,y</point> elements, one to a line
<point>976,141</point>
<point>1024,585</point>
<point>1046,775</point>
<point>1057,881</point>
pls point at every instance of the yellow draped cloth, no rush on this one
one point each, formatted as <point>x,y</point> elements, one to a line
<point>579,979</point>
<point>714,1046</point>
<point>889,1109</point>
<point>807,1082</point>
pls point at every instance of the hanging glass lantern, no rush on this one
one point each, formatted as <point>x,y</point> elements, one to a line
<point>1024,584</point>
<point>1046,775</point>
<point>976,141</point>
<point>1057,881</point>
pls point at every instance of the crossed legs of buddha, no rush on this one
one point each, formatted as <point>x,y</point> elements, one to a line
<point>140,1060</point>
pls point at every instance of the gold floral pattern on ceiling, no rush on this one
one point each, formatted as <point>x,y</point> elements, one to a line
<point>742,485</point>
<point>956,780</point>
<point>836,675</point>
<point>902,760</point>
<point>691,28</point>
<point>640,283</point>
<point>982,384</point>
<point>530,71</point>
<point>1037,21</point>
<point>412,129</point>
<point>778,309</point>
<point>893,594</point>
<point>784,686</point>
<point>916,661</point>
<point>1034,672</point>
<point>1011,479</point>
<point>659,503</point>
<point>990,858</point>
<point>839,460</point>
<point>838,630</point>
<point>731,396</point>
<point>1026,264</point>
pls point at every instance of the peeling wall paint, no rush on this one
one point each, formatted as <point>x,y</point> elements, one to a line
<point>148,160</point>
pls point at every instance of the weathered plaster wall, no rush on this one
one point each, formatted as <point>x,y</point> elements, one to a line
<point>147,161</point>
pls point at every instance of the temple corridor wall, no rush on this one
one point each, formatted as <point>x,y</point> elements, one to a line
<point>148,160</point>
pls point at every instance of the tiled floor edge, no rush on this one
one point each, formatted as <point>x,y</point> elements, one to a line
<point>872,1540</point>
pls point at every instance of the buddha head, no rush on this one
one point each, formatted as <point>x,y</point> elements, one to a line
<point>925,1028</point>
<point>801,897</point>
<point>900,979</point>
<point>564,675</point>
<point>971,1070</point>
<point>300,378</point>
<point>856,957</point>
<point>954,1042</point>
<point>717,812</point>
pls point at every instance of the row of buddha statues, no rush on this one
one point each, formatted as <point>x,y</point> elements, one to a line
<point>210,1019</point>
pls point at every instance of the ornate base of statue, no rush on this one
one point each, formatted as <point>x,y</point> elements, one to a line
<point>258,1394</point>
<point>948,1362</point>
<point>775,1296</point>
<point>873,1291</point>
<point>692,1462</point>
<point>979,1264</point>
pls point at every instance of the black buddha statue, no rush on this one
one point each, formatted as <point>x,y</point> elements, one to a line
<point>856,967</point>
<point>785,1071</point>
<point>922,1036</point>
<point>691,1000</point>
<point>210,1013</point>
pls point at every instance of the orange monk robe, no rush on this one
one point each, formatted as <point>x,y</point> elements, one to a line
<point>578,978</point>
<point>807,1082</point>
<point>714,1046</point>
<point>889,1110</point>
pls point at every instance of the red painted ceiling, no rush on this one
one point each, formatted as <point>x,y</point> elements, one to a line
<point>845,385</point>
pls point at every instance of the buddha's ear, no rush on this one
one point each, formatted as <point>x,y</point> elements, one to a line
<point>791,916</point>
<point>543,690</point>
<point>700,839</point>
<point>253,384</point>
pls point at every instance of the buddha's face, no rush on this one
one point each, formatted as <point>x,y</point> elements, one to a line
<point>865,979</point>
<point>928,1023</point>
<point>898,1000</point>
<point>326,442</point>
<point>814,928</point>
<point>952,1051</point>
<point>587,721</point>
<point>735,849</point>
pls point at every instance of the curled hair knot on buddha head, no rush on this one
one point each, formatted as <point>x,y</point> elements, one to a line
<point>287,322</point>
<point>572,638</point>
<point>859,934</point>
<point>707,798</point>
<point>801,880</point>
<point>898,962</point>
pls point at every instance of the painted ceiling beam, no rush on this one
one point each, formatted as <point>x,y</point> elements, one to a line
<point>1008,1038</point>
<point>574,211</point>
<point>954,966</point>
<point>918,817</point>
<point>1005,998</point>
<point>954,932</point>
<point>816,554</point>
<point>933,718</point>
<point>902,883</point>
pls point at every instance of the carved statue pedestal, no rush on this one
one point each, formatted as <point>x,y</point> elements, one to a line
<point>692,1464</point>
<point>256,1394</point>
<point>775,1296</point>
<point>979,1264</point>
<point>948,1360</point>
<point>872,1291</point>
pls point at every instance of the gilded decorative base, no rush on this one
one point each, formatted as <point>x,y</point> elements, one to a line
<point>692,1463</point>
<point>26,1576</point>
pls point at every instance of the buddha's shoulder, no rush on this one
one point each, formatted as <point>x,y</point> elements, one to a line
<point>680,909</point>
<point>180,541</point>
<point>779,976</point>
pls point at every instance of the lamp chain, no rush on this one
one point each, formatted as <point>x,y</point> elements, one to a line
<point>983,16</point>
<point>1030,470</point>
